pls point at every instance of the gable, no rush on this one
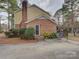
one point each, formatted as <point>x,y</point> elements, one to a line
<point>34,12</point>
<point>41,9</point>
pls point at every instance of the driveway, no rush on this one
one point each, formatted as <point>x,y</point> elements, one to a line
<point>50,49</point>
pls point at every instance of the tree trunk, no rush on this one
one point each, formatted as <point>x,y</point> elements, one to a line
<point>12,21</point>
<point>0,24</point>
<point>8,15</point>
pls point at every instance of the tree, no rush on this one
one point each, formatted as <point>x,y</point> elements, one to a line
<point>69,11</point>
<point>10,6</point>
<point>58,15</point>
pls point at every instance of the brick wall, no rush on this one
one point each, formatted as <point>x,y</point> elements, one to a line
<point>45,25</point>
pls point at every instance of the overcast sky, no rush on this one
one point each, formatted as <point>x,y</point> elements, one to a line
<point>49,5</point>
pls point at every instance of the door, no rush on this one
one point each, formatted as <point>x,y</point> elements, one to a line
<point>37,29</point>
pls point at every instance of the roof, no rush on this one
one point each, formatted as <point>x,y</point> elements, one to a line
<point>40,9</point>
<point>39,18</point>
<point>36,7</point>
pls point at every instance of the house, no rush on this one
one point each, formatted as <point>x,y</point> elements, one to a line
<point>35,17</point>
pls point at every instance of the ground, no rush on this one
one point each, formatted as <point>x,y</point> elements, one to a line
<point>5,40</point>
<point>48,49</point>
<point>74,38</point>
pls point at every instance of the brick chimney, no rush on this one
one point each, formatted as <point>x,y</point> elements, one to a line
<point>24,14</point>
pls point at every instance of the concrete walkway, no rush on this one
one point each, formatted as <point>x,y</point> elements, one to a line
<point>51,49</point>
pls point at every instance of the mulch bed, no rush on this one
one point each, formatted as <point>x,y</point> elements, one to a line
<point>15,41</point>
<point>5,40</point>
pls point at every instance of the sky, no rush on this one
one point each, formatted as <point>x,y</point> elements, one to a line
<point>49,5</point>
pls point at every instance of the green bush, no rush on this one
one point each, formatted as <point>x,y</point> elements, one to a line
<point>22,31</point>
<point>1,30</point>
<point>8,34</point>
<point>29,34</point>
<point>12,33</point>
<point>50,35</point>
<point>53,35</point>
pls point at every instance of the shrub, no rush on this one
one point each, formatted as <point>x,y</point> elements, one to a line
<point>29,34</point>
<point>53,35</point>
<point>66,32</point>
<point>22,31</point>
<point>49,35</point>
<point>12,33</point>
<point>15,32</point>
<point>8,34</point>
<point>1,30</point>
<point>46,35</point>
